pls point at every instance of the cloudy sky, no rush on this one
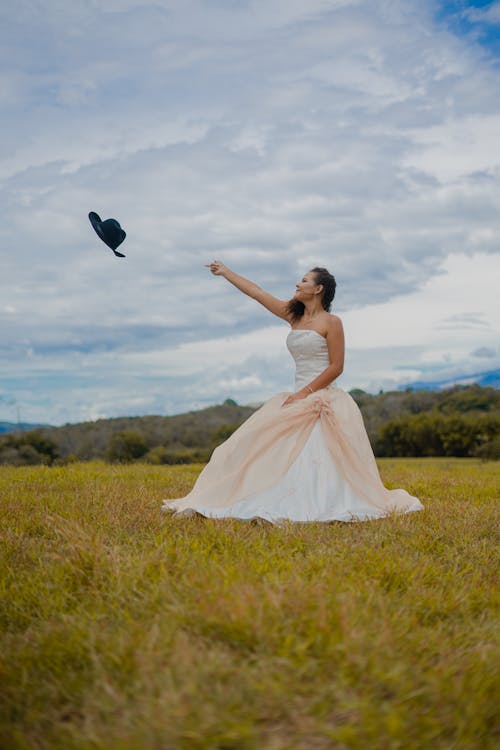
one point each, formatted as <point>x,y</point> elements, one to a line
<point>362,135</point>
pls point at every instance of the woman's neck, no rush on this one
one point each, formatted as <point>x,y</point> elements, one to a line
<point>311,310</point>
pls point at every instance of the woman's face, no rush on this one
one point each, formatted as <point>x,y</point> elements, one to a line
<point>307,288</point>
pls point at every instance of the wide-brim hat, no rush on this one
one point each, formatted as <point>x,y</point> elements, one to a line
<point>109,231</point>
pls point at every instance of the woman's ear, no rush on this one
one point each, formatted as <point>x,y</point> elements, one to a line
<point>319,289</point>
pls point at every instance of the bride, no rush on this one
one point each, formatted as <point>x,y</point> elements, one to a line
<point>303,456</point>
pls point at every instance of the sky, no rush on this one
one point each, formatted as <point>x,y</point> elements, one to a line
<point>274,135</point>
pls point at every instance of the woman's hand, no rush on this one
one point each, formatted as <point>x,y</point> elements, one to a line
<point>217,267</point>
<point>298,396</point>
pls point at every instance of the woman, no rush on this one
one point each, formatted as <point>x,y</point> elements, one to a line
<point>303,456</point>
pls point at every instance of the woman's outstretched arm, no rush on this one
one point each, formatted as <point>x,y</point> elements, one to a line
<point>273,304</point>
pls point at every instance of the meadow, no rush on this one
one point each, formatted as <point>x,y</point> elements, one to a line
<point>124,628</point>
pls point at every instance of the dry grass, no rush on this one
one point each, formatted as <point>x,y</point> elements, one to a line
<point>125,629</point>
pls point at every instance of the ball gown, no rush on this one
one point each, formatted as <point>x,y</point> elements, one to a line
<point>308,461</point>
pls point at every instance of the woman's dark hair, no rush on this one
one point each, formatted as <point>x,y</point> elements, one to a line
<point>295,308</point>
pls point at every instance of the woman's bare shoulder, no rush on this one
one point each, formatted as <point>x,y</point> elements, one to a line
<point>333,326</point>
<point>329,324</point>
<point>332,320</point>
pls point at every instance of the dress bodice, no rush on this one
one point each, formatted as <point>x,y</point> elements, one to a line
<point>310,352</point>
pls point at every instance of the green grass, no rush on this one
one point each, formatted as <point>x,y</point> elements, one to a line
<point>123,628</point>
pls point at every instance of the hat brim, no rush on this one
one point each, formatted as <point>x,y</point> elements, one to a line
<point>96,222</point>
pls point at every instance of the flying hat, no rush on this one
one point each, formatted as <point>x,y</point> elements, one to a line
<point>109,231</point>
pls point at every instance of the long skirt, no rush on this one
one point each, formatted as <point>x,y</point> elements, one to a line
<point>309,461</point>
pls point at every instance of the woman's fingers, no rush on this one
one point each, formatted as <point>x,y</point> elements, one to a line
<point>215,266</point>
<point>292,399</point>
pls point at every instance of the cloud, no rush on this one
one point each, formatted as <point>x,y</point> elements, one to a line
<point>274,135</point>
<point>488,15</point>
<point>457,148</point>
<point>487,352</point>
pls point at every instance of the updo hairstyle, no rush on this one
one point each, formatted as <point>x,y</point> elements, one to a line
<point>296,308</point>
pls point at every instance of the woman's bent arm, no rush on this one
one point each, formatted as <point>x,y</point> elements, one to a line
<point>273,304</point>
<point>336,349</point>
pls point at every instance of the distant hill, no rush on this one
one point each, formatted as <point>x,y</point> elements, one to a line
<point>490,378</point>
<point>22,426</point>
<point>188,436</point>
<point>458,421</point>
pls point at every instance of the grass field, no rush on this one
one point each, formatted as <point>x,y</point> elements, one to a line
<point>123,628</point>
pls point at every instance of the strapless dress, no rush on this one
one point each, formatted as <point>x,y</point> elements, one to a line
<point>309,461</point>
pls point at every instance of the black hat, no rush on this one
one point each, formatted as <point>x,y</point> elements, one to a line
<point>109,231</point>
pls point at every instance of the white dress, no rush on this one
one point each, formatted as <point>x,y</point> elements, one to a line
<point>309,461</point>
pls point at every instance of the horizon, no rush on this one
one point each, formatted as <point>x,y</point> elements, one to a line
<point>488,379</point>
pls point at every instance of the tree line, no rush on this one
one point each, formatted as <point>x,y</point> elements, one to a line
<point>460,421</point>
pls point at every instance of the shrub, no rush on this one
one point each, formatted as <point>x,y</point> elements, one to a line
<point>489,450</point>
<point>126,446</point>
<point>163,455</point>
<point>435,434</point>
<point>27,449</point>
